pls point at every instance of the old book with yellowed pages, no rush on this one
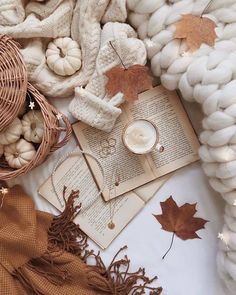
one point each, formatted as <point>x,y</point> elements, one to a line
<point>165,109</point>
<point>141,175</point>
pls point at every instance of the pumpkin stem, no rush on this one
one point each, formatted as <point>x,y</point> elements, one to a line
<point>16,155</point>
<point>33,125</point>
<point>62,54</point>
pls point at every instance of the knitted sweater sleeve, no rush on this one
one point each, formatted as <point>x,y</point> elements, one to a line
<point>91,105</point>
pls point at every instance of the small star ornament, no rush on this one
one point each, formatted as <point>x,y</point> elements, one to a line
<point>185,54</point>
<point>224,239</point>
<point>4,190</point>
<point>221,236</point>
<point>149,43</point>
<point>32,105</point>
<point>59,116</point>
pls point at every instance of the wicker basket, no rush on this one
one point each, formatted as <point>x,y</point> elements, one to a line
<point>11,101</point>
<point>13,81</point>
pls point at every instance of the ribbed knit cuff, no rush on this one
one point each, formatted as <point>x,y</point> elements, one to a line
<point>93,111</point>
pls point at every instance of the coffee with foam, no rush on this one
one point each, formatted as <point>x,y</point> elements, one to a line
<point>140,136</point>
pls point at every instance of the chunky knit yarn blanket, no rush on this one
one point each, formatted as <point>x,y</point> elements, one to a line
<point>207,76</point>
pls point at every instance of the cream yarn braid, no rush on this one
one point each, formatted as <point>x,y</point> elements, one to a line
<point>209,77</point>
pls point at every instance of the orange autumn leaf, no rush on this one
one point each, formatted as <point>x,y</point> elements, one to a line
<point>180,220</point>
<point>130,81</point>
<point>196,30</point>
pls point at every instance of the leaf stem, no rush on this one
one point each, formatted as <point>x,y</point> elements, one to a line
<point>172,241</point>
<point>118,55</point>
<point>206,8</point>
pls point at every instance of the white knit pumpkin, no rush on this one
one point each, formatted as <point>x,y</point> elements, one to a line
<point>63,56</point>
<point>12,133</point>
<point>19,153</point>
<point>33,126</point>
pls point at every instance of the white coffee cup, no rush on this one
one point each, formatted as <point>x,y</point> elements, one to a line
<point>141,137</point>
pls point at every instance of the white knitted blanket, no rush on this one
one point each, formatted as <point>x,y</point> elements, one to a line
<point>91,25</point>
<point>209,77</point>
<point>37,22</point>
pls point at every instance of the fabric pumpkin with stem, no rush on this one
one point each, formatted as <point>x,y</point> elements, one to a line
<point>63,56</point>
<point>12,133</point>
<point>33,126</point>
<point>19,153</point>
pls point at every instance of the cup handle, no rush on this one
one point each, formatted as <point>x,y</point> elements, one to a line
<point>160,148</point>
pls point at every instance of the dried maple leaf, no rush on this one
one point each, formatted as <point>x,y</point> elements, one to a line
<point>180,220</point>
<point>130,81</point>
<point>196,30</point>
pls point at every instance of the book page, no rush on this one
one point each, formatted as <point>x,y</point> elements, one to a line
<point>109,149</point>
<point>95,212</point>
<point>165,109</point>
<point>180,142</point>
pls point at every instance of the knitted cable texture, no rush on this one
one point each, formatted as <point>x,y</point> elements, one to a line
<point>52,22</point>
<point>80,20</point>
<point>116,11</point>
<point>91,105</point>
<point>207,76</point>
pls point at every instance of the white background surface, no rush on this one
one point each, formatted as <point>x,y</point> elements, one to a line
<point>190,267</point>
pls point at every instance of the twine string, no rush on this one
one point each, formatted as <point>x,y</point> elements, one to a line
<point>78,152</point>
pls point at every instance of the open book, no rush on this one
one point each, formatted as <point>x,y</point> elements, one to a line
<point>165,109</point>
<point>80,172</point>
<point>95,214</point>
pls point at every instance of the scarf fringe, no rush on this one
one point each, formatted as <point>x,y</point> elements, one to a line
<point>116,278</point>
<point>65,235</point>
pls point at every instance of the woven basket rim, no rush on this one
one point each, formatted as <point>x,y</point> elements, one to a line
<point>13,73</point>
<point>49,143</point>
<point>13,81</point>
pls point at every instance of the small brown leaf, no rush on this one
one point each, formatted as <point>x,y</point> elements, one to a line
<point>180,220</point>
<point>130,81</point>
<point>196,30</point>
